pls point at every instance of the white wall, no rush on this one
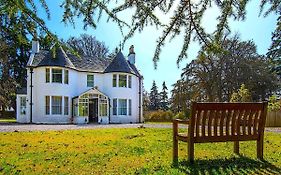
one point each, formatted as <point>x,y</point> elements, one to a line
<point>77,85</point>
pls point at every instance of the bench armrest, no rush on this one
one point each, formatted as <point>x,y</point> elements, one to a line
<point>179,121</point>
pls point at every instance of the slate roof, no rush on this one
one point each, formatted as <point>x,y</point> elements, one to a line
<point>84,63</point>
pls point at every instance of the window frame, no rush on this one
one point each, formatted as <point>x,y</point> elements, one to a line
<point>115,106</point>
<point>90,81</point>
<point>47,105</point>
<point>53,69</point>
<point>59,106</point>
<point>23,105</point>
<point>122,111</point>
<point>47,75</point>
<point>66,76</point>
<point>114,80</point>
<point>126,83</point>
<point>130,81</point>
<point>66,105</point>
<point>130,107</point>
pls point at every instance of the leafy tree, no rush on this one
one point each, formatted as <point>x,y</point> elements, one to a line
<point>154,97</point>
<point>215,76</point>
<point>164,97</point>
<point>181,97</point>
<point>243,95</point>
<point>88,45</point>
<point>274,104</point>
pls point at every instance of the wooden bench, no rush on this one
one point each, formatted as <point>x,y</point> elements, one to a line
<point>222,122</point>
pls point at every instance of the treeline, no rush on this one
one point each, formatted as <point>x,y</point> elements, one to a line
<point>235,74</point>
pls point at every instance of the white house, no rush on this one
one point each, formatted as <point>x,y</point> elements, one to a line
<point>68,89</point>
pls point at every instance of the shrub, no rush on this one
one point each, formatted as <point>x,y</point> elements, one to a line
<point>181,115</point>
<point>158,115</point>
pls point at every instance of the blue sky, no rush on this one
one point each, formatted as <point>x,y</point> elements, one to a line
<point>254,28</point>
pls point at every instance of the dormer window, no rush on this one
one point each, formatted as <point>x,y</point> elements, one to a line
<point>56,75</point>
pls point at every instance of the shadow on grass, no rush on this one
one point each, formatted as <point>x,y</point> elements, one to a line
<point>235,165</point>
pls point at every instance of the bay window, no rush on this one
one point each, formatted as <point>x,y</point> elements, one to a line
<point>56,105</point>
<point>114,106</point>
<point>56,75</point>
<point>66,106</point>
<point>122,106</point>
<point>122,81</point>
<point>47,75</point>
<point>65,76</point>
<point>47,105</point>
<point>114,80</point>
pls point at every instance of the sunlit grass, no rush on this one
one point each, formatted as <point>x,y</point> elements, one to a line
<point>7,120</point>
<point>127,151</point>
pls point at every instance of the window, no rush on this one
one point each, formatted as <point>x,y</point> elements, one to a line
<point>66,106</point>
<point>56,75</point>
<point>114,106</point>
<point>47,105</point>
<point>47,75</point>
<point>114,80</point>
<point>130,81</point>
<point>122,106</point>
<point>90,80</point>
<point>22,105</point>
<point>56,105</point>
<point>130,107</point>
<point>83,108</point>
<point>65,76</point>
<point>103,106</point>
<point>122,80</point>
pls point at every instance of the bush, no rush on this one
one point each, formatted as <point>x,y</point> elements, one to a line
<point>181,115</point>
<point>158,115</point>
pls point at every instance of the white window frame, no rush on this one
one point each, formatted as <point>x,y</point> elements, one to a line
<point>48,104</point>
<point>119,112</point>
<point>66,105</point>
<point>23,105</point>
<point>60,107</point>
<point>65,77</point>
<point>62,78</point>
<point>93,80</point>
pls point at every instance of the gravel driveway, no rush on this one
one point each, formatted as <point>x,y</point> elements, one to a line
<point>14,127</point>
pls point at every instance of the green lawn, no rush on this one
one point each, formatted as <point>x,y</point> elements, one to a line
<point>7,120</point>
<point>127,151</point>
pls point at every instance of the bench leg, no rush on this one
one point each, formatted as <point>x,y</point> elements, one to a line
<point>175,142</point>
<point>236,147</point>
<point>190,148</point>
<point>175,150</point>
<point>260,148</point>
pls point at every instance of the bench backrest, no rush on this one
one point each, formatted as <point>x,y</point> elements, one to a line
<point>215,122</point>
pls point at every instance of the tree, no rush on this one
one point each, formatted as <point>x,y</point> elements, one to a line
<point>243,95</point>
<point>88,45</point>
<point>146,101</point>
<point>154,97</point>
<point>7,81</point>
<point>185,19</point>
<point>274,104</point>
<point>216,76</point>
<point>164,97</point>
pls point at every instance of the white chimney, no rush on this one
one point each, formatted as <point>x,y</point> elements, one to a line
<point>132,55</point>
<point>35,46</point>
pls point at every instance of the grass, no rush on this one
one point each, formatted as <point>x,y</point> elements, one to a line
<point>127,151</point>
<point>7,120</point>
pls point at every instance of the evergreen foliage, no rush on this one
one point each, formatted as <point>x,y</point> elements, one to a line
<point>154,97</point>
<point>164,104</point>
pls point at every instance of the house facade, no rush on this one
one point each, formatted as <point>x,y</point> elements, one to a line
<point>68,89</point>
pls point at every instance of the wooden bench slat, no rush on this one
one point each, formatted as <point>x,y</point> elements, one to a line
<point>223,122</point>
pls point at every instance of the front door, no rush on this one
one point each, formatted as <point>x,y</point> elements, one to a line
<point>93,110</point>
